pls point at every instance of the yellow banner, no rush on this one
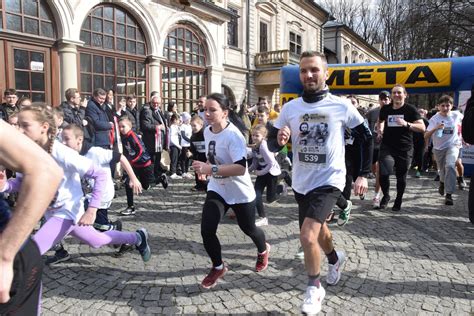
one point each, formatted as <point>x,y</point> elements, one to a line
<point>413,75</point>
<point>285,97</point>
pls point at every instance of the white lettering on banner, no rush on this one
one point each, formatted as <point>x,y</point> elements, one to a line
<point>468,155</point>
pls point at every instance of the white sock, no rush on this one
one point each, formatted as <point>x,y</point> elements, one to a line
<point>220,267</point>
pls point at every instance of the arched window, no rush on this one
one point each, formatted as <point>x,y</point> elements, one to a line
<point>113,56</point>
<point>27,16</point>
<point>28,33</point>
<point>184,75</point>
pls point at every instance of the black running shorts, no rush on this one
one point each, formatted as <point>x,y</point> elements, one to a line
<point>317,203</point>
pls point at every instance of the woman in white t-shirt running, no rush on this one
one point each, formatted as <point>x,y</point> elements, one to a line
<point>66,214</point>
<point>230,186</point>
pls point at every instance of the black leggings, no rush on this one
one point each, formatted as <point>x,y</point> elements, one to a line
<point>266,181</point>
<point>388,159</point>
<point>213,210</point>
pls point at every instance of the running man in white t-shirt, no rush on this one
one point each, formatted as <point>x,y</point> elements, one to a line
<point>316,124</point>
<point>444,129</point>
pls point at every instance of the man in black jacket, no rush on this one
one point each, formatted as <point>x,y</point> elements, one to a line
<point>74,110</point>
<point>132,113</point>
<point>96,110</point>
<point>154,130</point>
<point>10,106</point>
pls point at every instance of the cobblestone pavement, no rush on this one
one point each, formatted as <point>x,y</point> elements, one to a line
<point>417,261</point>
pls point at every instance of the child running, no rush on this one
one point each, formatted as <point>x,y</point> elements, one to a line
<point>186,133</point>
<point>229,187</point>
<point>73,137</point>
<point>66,215</point>
<point>175,145</point>
<point>267,170</point>
<point>134,150</point>
<point>198,150</point>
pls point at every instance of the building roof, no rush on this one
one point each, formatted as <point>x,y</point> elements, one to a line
<point>335,24</point>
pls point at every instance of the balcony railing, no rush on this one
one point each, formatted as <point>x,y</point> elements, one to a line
<point>276,58</point>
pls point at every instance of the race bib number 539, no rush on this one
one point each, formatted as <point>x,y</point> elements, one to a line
<point>312,158</point>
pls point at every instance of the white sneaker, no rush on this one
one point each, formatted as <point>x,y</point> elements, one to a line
<point>300,253</point>
<point>376,202</point>
<point>261,222</point>
<point>335,270</point>
<point>345,214</point>
<point>312,300</point>
<point>188,176</point>
<point>174,176</point>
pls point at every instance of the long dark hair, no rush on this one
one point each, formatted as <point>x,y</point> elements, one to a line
<point>224,103</point>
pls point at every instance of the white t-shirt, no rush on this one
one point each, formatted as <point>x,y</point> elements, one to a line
<point>68,202</point>
<point>175,131</point>
<point>102,157</point>
<point>188,132</point>
<point>451,132</point>
<point>317,135</point>
<point>227,147</point>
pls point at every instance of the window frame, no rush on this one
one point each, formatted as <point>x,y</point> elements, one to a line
<point>233,29</point>
<point>263,36</point>
<point>298,46</point>
<point>177,89</point>
<point>115,55</point>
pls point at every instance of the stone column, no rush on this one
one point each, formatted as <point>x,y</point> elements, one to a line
<point>154,68</point>
<point>68,72</point>
<point>214,76</point>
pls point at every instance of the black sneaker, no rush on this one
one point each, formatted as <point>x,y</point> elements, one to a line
<point>117,225</point>
<point>123,250</point>
<point>130,210</point>
<point>59,256</point>
<point>441,188</point>
<point>397,205</point>
<point>461,183</point>
<point>436,178</point>
<point>384,202</point>
<point>144,247</point>
<point>164,181</point>
<point>449,199</point>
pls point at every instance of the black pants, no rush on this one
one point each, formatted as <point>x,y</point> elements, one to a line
<point>214,209</point>
<point>389,159</point>
<point>26,286</point>
<point>418,153</point>
<point>174,156</point>
<point>184,160</point>
<point>157,170</point>
<point>145,175</point>
<point>266,181</point>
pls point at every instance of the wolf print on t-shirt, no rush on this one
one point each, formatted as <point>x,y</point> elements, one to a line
<point>311,147</point>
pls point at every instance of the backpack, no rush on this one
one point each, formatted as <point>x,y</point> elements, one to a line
<point>467,128</point>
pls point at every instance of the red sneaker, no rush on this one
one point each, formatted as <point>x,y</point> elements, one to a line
<point>262,259</point>
<point>211,279</point>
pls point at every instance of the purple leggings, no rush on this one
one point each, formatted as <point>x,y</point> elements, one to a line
<point>55,229</point>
